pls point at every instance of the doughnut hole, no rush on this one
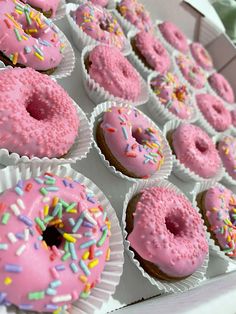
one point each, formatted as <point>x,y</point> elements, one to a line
<point>217,108</point>
<point>138,136</point>
<point>175,224</point>
<point>158,49</point>
<point>52,237</point>
<point>104,25</point>
<point>195,70</point>
<point>225,87</point>
<point>37,107</point>
<point>178,35</point>
<point>201,146</point>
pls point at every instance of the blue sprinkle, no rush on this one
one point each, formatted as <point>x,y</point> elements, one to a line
<point>52,188</point>
<point>28,50</point>
<point>87,224</point>
<point>87,244</point>
<point>60,267</point>
<point>98,253</point>
<point>36,245</point>
<point>20,235</point>
<point>2,297</point>
<point>74,268</point>
<point>26,307</point>
<point>20,184</point>
<point>55,284</point>
<point>25,220</point>
<point>72,251</point>
<point>71,221</point>
<point>50,291</point>
<point>65,182</point>
<point>19,191</point>
<point>52,307</point>
<point>12,268</point>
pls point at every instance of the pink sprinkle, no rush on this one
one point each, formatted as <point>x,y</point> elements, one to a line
<point>54,273</point>
<point>56,251</point>
<point>74,295</point>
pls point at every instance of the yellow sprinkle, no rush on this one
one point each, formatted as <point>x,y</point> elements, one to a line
<point>19,12</point>
<point>55,201</point>
<point>85,255</point>
<point>32,30</point>
<point>15,58</point>
<point>108,223</point>
<point>69,238</point>
<point>55,222</point>
<point>94,210</point>
<point>108,254</point>
<point>58,311</point>
<point>87,287</point>
<point>227,151</point>
<point>38,56</point>
<point>214,209</point>
<point>228,238</point>
<point>72,211</point>
<point>44,244</point>
<point>83,278</point>
<point>93,263</point>
<point>31,14</point>
<point>61,225</point>
<point>7,281</point>
<point>46,210</point>
<point>25,38</point>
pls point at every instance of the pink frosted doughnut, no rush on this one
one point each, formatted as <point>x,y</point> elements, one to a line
<point>102,3</point>
<point>173,95</point>
<point>136,14</point>
<point>201,56</point>
<point>168,232</point>
<point>152,51</point>
<point>174,36</point>
<point>214,111</point>
<point>227,152</point>
<point>222,87</point>
<point>191,71</point>
<point>195,149</point>
<point>48,7</point>
<point>233,117</point>
<point>37,117</point>
<point>28,39</point>
<point>54,243</point>
<point>99,24</point>
<point>219,207</point>
<point>110,69</point>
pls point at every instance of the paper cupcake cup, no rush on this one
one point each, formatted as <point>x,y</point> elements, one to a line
<point>214,248</point>
<point>163,285</point>
<point>160,113</point>
<point>180,170</point>
<point>61,11</point>
<point>80,38</point>
<point>98,94</point>
<point>110,6</point>
<point>96,117</point>
<point>113,269</point>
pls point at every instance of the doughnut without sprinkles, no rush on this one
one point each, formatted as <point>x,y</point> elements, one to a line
<point>222,87</point>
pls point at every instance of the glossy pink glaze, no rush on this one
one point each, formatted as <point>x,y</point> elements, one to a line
<point>37,117</point>
<point>227,152</point>
<point>191,71</point>
<point>222,87</point>
<point>41,49</point>
<point>136,14</point>
<point>219,207</point>
<point>114,73</point>
<point>174,36</point>
<point>173,94</point>
<point>132,141</point>
<point>153,51</point>
<point>168,232</point>
<point>195,149</point>
<point>55,271</point>
<point>233,117</point>
<point>201,56</point>
<point>44,5</point>
<point>100,24</point>
<point>214,111</point>
<point>102,3</point>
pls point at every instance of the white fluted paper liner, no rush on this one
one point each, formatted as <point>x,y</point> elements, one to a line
<point>113,268</point>
<point>111,3</point>
<point>180,170</point>
<point>96,117</point>
<point>160,113</point>
<point>61,11</point>
<point>80,38</point>
<point>214,248</point>
<point>98,94</point>
<point>163,285</point>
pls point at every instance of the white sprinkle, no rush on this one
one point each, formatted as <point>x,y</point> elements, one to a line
<point>90,218</point>
<point>96,215</point>
<point>77,235</point>
<point>62,298</point>
<point>15,209</point>
<point>3,246</point>
<point>12,237</point>
<point>20,203</point>
<point>21,250</point>
<point>46,199</point>
<point>27,232</point>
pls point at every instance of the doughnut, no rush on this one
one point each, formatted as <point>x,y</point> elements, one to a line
<point>218,208</point>
<point>227,151</point>
<point>173,94</point>
<point>191,71</point>
<point>102,3</point>
<point>222,87</point>
<point>28,39</point>
<point>194,148</point>
<point>112,71</point>
<point>48,8</point>
<point>54,243</point>
<point>174,36</point>
<point>99,24</point>
<point>166,233</point>
<point>214,111</point>
<point>201,56</point>
<point>37,117</point>
<point>150,50</point>
<point>135,13</point>
<point>129,142</point>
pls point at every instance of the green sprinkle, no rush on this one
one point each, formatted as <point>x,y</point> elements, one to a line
<point>5,218</point>
<point>28,19</point>
<point>65,256</point>
<point>66,246</point>
<point>43,191</point>
<point>71,206</point>
<point>18,36</point>
<point>60,212</point>
<point>50,182</point>
<point>39,295</point>
<point>65,204</point>
<point>84,295</point>
<point>103,238</point>
<point>40,223</point>
<point>48,219</point>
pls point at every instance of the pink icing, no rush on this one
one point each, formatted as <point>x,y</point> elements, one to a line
<point>195,149</point>
<point>227,152</point>
<point>44,5</point>
<point>233,117</point>
<point>136,14</point>
<point>153,51</point>
<point>132,141</point>
<point>102,3</point>
<point>114,73</point>
<point>191,71</point>
<point>173,95</point>
<point>56,269</point>
<point>37,117</point>
<point>40,49</point>
<point>222,87</point>
<point>214,111</point>
<point>174,36</point>
<point>201,56</point>
<point>168,232</point>
<point>219,207</point>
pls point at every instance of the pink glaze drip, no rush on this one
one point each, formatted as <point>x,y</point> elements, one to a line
<point>173,94</point>
<point>168,232</point>
<point>29,41</point>
<point>191,71</point>
<point>214,111</point>
<point>132,141</point>
<point>174,36</point>
<point>53,272</point>
<point>37,117</point>
<point>201,56</point>
<point>114,73</point>
<point>195,149</point>
<point>100,24</point>
<point>222,87</point>
<point>136,14</point>
<point>153,51</point>
<point>227,152</point>
<point>44,5</point>
<point>220,209</point>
